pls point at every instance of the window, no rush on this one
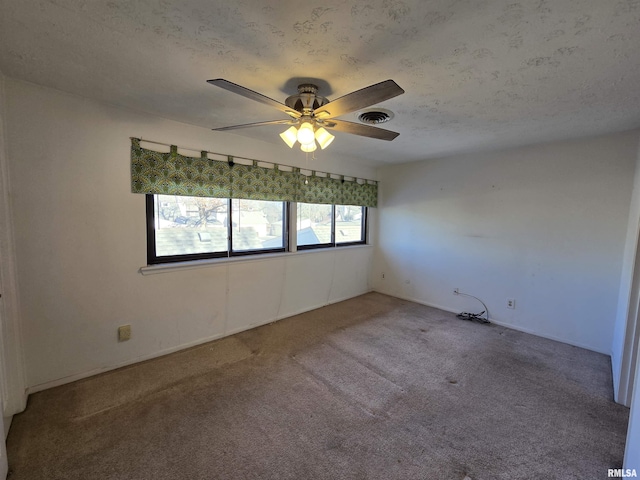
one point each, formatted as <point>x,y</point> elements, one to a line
<point>251,218</point>
<point>183,228</point>
<point>350,224</point>
<point>314,225</point>
<point>321,226</point>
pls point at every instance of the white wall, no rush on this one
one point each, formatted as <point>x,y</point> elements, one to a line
<point>544,225</point>
<point>4,466</point>
<point>4,431</point>
<point>81,239</point>
<point>625,335</point>
<point>632,447</point>
<point>12,384</point>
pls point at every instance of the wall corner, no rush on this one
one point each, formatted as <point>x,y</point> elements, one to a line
<point>12,374</point>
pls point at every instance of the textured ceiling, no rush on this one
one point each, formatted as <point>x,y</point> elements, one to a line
<point>478,74</point>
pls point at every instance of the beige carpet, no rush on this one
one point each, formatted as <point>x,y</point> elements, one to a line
<point>370,388</point>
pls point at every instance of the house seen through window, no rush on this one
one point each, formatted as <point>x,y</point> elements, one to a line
<point>328,225</point>
<point>181,228</point>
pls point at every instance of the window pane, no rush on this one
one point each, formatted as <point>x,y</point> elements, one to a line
<point>313,224</point>
<point>349,224</point>
<point>257,225</point>
<point>188,225</point>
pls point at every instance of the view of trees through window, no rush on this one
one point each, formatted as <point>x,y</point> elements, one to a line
<point>251,218</point>
<point>196,225</point>
<point>349,224</point>
<point>315,224</point>
<point>184,228</point>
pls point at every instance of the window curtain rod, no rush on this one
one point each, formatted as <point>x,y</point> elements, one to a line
<point>328,174</point>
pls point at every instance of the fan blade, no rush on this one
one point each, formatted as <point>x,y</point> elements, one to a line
<point>362,98</point>
<point>258,97</point>
<point>362,130</point>
<point>257,124</point>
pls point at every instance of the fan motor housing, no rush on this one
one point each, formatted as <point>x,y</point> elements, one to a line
<point>306,99</point>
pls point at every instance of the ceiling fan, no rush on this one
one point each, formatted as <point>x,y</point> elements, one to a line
<point>310,114</point>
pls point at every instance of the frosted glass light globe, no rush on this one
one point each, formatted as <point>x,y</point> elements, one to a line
<point>305,133</point>
<point>324,138</point>
<point>308,147</point>
<point>289,136</point>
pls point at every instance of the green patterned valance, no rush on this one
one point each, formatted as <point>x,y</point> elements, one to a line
<point>175,174</point>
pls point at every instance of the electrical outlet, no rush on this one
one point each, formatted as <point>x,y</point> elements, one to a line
<point>456,291</point>
<point>124,333</point>
<point>511,303</point>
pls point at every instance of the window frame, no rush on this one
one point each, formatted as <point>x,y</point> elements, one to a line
<point>313,246</point>
<point>333,244</point>
<point>363,229</point>
<point>154,259</point>
<point>288,246</point>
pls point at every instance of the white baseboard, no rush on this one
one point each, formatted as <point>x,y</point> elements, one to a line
<point>167,351</point>
<point>142,358</point>
<point>500,323</point>
<point>293,314</point>
<point>6,421</point>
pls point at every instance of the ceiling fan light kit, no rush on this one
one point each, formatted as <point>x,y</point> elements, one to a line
<point>307,135</point>
<point>313,114</point>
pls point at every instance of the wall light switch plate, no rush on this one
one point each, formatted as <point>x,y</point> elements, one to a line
<point>124,333</point>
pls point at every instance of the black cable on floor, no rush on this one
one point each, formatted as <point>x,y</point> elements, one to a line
<point>473,317</point>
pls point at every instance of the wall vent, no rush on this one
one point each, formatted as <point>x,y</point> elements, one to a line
<point>375,117</point>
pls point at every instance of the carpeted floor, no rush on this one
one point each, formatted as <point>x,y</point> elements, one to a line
<point>370,388</point>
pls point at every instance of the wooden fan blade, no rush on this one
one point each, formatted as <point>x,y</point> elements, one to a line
<point>258,97</point>
<point>359,99</point>
<point>257,124</point>
<point>358,129</point>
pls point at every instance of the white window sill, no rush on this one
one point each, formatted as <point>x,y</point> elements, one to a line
<point>213,262</point>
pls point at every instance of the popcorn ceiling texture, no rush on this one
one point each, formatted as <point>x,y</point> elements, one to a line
<point>478,74</point>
